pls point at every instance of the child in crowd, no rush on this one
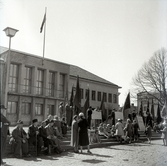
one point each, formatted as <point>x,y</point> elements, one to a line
<point>102,130</point>
<point>149,133</point>
<point>164,135</point>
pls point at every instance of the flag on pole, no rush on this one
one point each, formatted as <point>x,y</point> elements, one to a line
<point>72,96</point>
<point>102,109</point>
<point>43,22</point>
<point>152,110</point>
<point>126,106</point>
<point>77,98</point>
<point>148,107</point>
<point>159,119</point>
<point>87,104</point>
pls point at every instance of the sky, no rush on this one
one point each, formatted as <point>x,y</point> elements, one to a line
<point>110,38</point>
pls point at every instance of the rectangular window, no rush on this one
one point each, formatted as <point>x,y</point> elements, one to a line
<point>61,85</point>
<point>27,80</point>
<point>50,110</point>
<point>51,84</point>
<point>93,95</point>
<point>115,98</point>
<point>38,109</point>
<point>99,96</point>
<point>40,82</point>
<point>110,98</point>
<point>105,97</point>
<point>12,107</point>
<point>86,93</point>
<point>26,107</point>
<point>13,78</point>
<point>81,93</point>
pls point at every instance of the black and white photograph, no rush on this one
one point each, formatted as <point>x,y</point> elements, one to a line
<point>83,82</point>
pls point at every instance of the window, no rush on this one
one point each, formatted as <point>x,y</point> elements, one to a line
<point>27,80</point>
<point>50,109</point>
<point>12,107</point>
<point>115,98</point>
<point>86,93</point>
<point>99,96</point>
<point>26,107</point>
<point>105,97</point>
<point>51,84</point>
<point>61,85</point>
<point>13,78</point>
<point>81,93</point>
<point>110,98</point>
<point>39,84</point>
<point>93,95</point>
<point>38,109</point>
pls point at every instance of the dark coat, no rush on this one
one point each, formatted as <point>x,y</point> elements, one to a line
<point>42,132</point>
<point>32,133</point>
<point>83,132</point>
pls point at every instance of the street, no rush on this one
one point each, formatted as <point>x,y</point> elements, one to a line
<point>135,154</point>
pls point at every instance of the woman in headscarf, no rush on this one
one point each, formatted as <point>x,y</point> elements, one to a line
<point>74,134</point>
<point>83,132</point>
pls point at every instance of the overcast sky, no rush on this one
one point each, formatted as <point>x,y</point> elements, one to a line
<point>110,38</point>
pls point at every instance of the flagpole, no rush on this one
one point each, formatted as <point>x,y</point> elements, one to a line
<point>44,38</point>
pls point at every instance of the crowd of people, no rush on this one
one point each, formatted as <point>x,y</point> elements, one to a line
<point>45,137</point>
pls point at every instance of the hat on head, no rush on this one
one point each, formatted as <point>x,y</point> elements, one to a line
<point>34,120</point>
<point>81,114</point>
<point>19,122</point>
<point>61,103</point>
<point>119,120</point>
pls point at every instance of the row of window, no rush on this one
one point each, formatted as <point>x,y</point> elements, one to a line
<point>27,83</point>
<point>26,107</point>
<point>97,96</point>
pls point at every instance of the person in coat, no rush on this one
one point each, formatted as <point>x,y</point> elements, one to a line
<point>129,130</point>
<point>74,134</point>
<point>20,139</point>
<point>119,130</point>
<point>135,130</point>
<point>83,132</point>
<point>61,110</point>
<point>89,115</point>
<point>35,138</point>
<point>68,115</point>
<point>4,130</point>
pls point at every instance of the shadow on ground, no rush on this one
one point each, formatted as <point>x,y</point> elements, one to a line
<point>93,161</point>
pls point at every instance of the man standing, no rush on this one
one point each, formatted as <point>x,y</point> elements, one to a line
<point>4,130</point>
<point>68,115</point>
<point>61,110</point>
<point>89,113</point>
<point>20,138</point>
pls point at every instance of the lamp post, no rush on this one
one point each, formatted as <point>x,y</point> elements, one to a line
<point>10,32</point>
<point>2,64</point>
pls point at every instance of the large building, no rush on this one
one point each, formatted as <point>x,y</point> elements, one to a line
<point>33,89</point>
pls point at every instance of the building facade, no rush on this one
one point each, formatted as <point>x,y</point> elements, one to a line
<point>97,88</point>
<point>35,89</point>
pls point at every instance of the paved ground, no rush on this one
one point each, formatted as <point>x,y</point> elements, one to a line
<point>135,154</point>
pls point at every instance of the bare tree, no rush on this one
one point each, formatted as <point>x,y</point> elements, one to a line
<point>152,77</point>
